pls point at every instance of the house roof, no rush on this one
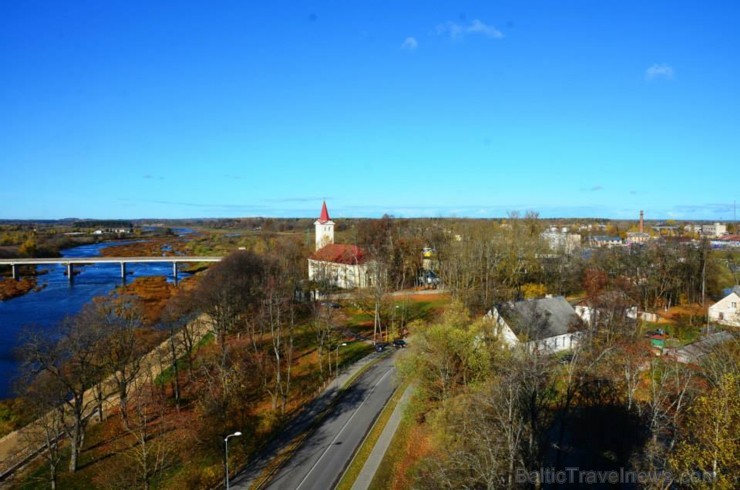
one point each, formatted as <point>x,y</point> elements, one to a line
<point>324,217</point>
<point>694,352</point>
<point>732,296</point>
<point>340,253</point>
<point>539,318</point>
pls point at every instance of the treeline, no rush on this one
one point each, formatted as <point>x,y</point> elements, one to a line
<point>102,224</point>
<point>483,263</point>
<point>30,243</point>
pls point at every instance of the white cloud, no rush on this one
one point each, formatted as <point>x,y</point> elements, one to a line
<point>410,44</point>
<point>479,27</point>
<point>659,71</point>
<point>456,31</point>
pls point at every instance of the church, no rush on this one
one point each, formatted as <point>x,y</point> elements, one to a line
<point>333,264</point>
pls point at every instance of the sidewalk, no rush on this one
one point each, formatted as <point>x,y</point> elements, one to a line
<point>381,446</point>
<point>310,415</point>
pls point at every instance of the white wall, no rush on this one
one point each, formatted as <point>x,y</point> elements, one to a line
<point>726,311</point>
<point>340,275</point>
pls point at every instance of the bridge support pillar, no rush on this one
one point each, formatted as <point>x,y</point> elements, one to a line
<point>13,271</point>
<point>174,271</point>
<point>70,271</point>
<point>123,270</point>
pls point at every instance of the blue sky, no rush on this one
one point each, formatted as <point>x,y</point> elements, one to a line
<point>133,109</point>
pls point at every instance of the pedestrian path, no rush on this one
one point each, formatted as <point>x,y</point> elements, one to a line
<point>381,445</point>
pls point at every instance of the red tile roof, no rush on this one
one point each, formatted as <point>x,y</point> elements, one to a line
<point>324,214</point>
<point>340,254</point>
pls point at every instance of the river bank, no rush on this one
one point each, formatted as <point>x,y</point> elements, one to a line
<point>54,297</point>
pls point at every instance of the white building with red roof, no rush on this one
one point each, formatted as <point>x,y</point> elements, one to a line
<point>341,265</point>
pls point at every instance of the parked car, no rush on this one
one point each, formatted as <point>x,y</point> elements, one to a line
<point>381,346</point>
<point>330,304</point>
<point>428,278</point>
<point>399,344</point>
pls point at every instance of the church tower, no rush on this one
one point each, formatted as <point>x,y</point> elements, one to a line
<point>324,229</point>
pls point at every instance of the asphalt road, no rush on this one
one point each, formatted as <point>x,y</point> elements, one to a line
<point>321,460</point>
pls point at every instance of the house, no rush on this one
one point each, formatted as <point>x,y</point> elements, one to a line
<point>606,241</point>
<point>726,311</point>
<point>606,306</point>
<point>547,324</point>
<point>343,266</point>
<point>637,237</point>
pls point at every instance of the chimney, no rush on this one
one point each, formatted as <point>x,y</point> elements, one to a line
<point>642,228</point>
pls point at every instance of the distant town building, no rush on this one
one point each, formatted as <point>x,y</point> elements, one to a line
<point>560,241</point>
<point>606,241</point>
<point>637,237</point>
<point>692,229</point>
<point>726,241</point>
<point>714,230</point>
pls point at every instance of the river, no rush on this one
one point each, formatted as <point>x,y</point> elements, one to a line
<point>59,298</point>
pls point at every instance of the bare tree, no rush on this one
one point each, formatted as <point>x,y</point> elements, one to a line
<point>73,363</point>
<point>229,290</point>
<point>120,317</point>
<point>45,398</point>
<point>152,451</point>
<point>322,325</point>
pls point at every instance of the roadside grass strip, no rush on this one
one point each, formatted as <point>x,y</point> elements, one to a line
<point>397,450</point>
<point>363,453</point>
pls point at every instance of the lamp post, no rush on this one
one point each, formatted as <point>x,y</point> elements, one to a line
<point>226,447</point>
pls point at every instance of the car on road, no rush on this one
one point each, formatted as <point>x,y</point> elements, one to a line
<point>381,346</point>
<point>400,344</point>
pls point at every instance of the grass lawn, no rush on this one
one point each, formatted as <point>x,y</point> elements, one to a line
<point>679,333</point>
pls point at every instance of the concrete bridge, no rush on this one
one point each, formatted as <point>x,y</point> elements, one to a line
<point>70,262</point>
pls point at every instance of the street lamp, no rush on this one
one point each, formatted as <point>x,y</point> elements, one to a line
<point>226,446</point>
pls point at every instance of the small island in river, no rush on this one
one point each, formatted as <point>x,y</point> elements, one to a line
<point>12,288</point>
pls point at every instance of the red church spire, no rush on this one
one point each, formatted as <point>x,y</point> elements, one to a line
<point>324,214</point>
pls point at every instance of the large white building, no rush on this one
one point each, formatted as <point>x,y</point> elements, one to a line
<point>714,230</point>
<point>336,265</point>
<point>560,241</point>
